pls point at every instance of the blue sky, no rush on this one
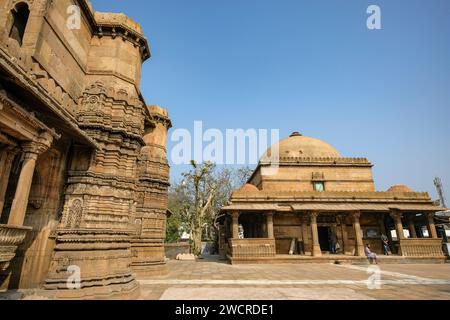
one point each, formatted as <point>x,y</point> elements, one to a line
<point>308,66</point>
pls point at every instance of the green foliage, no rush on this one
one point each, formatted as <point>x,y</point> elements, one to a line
<point>196,200</point>
<point>173,232</point>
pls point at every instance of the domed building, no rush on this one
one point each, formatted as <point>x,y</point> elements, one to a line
<point>305,201</point>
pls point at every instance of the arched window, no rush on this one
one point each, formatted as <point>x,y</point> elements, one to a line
<point>20,15</point>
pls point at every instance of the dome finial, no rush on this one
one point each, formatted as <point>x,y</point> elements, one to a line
<point>295,134</point>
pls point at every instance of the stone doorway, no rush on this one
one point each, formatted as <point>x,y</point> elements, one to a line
<point>324,240</point>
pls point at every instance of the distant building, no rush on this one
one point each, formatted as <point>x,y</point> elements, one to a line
<point>317,199</point>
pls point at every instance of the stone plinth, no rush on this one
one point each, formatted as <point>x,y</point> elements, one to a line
<point>250,248</point>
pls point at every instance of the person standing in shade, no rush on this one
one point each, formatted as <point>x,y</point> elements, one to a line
<point>385,243</point>
<point>333,242</point>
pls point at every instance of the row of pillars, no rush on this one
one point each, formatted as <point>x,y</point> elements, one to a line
<point>397,216</point>
<point>359,244</point>
<point>30,152</point>
<point>316,251</point>
<point>235,225</point>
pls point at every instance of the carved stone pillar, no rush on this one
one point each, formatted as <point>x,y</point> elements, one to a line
<point>235,225</point>
<point>431,226</point>
<point>359,244</point>
<point>31,151</point>
<point>411,227</point>
<point>269,218</point>
<point>397,216</point>
<point>305,235</point>
<point>263,229</point>
<point>343,222</point>
<point>6,160</point>
<point>316,252</point>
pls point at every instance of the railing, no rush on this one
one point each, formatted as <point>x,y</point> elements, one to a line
<point>423,247</point>
<point>10,238</point>
<point>252,248</point>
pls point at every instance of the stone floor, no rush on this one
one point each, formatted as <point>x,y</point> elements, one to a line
<point>211,279</point>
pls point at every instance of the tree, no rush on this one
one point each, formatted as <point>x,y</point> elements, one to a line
<point>242,175</point>
<point>173,228</point>
<point>199,189</point>
<point>197,199</point>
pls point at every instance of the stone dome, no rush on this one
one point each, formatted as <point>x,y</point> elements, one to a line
<point>298,145</point>
<point>248,188</point>
<point>400,188</point>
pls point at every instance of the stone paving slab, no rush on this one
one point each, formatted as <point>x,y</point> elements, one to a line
<point>421,270</point>
<point>208,270</point>
<point>209,279</point>
<point>213,279</point>
<point>258,294</point>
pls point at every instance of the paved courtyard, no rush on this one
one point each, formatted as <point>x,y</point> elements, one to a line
<point>211,279</point>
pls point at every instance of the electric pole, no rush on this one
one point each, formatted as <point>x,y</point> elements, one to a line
<point>440,191</point>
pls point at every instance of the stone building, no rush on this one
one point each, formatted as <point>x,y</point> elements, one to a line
<point>84,174</point>
<point>303,197</point>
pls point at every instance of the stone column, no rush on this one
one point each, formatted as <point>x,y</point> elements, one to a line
<point>431,226</point>
<point>359,244</point>
<point>343,222</point>
<point>235,225</point>
<point>397,216</point>
<point>31,151</point>
<point>411,227</point>
<point>316,252</point>
<point>6,161</point>
<point>269,220</point>
<point>305,235</point>
<point>264,229</point>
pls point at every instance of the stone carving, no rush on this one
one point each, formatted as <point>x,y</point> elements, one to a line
<point>151,196</point>
<point>110,172</point>
<point>75,214</point>
<point>318,176</point>
<point>10,238</point>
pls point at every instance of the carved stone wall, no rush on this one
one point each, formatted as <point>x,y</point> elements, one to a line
<point>150,217</point>
<point>98,199</point>
<point>94,233</point>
